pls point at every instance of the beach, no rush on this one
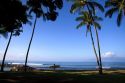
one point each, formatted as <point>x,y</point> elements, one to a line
<point>68,72</point>
<point>109,76</point>
<point>64,72</point>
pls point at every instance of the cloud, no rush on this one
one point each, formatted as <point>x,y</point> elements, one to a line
<point>108,54</point>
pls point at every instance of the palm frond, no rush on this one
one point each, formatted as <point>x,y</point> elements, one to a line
<point>92,7</point>
<point>85,14</point>
<point>75,7</point>
<point>119,18</point>
<point>97,25</point>
<point>96,18</point>
<point>124,10</point>
<point>87,30</point>
<point>110,3</point>
<point>59,3</point>
<point>110,12</point>
<point>80,18</point>
<point>80,25</point>
<point>99,6</point>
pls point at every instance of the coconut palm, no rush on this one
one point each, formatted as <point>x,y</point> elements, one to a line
<point>86,20</point>
<point>90,6</point>
<point>13,15</point>
<point>42,8</point>
<point>80,5</point>
<point>115,6</point>
<point>2,66</point>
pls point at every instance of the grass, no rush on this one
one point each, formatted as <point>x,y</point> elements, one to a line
<point>109,76</point>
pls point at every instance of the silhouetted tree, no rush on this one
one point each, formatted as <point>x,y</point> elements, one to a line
<point>42,8</point>
<point>12,16</point>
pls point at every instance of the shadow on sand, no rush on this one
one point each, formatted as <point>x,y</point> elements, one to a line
<point>62,77</point>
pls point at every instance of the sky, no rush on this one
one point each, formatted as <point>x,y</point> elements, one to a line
<point>61,41</point>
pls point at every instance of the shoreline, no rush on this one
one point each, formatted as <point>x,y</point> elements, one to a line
<point>8,67</point>
<point>35,69</point>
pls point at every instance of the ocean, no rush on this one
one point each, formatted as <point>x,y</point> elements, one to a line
<point>73,65</point>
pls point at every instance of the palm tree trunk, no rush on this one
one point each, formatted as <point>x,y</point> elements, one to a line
<point>2,66</point>
<point>100,59</point>
<point>30,44</point>
<point>94,47</point>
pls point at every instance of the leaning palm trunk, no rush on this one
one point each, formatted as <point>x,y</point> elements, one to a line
<point>2,65</point>
<point>97,58</point>
<point>30,44</point>
<point>100,59</point>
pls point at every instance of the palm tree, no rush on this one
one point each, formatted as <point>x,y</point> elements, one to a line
<point>97,37</point>
<point>115,6</point>
<point>13,15</point>
<point>14,33</point>
<point>38,7</point>
<point>2,66</point>
<point>82,5</point>
<point>85,19</point>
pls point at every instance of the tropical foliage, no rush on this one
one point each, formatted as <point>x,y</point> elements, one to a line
<point>115,6</point>
<point>42,8</point>
<point>13,15</point>
<point>89,18</point>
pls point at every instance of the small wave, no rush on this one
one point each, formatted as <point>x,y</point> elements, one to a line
<point>31,64</point>
<point>16,63</point>
<point>35,64</point>
<point>105,67</point>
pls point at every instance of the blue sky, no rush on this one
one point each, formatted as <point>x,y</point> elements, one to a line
<point>61,41</point>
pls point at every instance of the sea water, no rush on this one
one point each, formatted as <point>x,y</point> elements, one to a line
<point>72,65</point>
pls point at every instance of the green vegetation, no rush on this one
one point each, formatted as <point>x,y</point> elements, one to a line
<point>115,6</point>
<point>14,14</point>
<point>45,9</point>
<point>86,10</point>
<point>117,76</point>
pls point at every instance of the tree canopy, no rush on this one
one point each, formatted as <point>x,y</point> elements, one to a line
<point>12,16</point>
<point>45,8</point>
